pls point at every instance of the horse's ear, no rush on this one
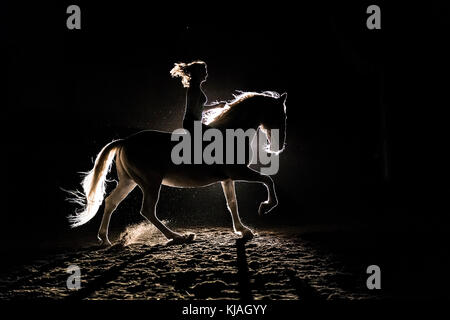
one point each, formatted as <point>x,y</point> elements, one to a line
<point>283,97</point>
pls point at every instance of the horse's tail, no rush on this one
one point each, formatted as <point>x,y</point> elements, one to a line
<point>93,186</point>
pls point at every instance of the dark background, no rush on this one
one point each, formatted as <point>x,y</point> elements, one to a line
<point>367,118</point>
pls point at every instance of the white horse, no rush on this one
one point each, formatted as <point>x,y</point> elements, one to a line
<point>144,159</point>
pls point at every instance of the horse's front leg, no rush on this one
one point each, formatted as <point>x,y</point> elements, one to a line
<point>244,173</point>
<point>230,196</point>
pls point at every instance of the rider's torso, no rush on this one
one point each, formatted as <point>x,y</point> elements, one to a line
<point>195,100</point>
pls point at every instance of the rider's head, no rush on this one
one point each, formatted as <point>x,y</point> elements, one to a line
<point>194,72</point>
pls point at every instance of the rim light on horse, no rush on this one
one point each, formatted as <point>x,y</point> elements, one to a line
<point>143,159</point>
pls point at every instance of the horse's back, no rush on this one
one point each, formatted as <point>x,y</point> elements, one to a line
<point>148,148</point>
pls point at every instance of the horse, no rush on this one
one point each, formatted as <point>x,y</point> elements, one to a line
<point>144,160</point>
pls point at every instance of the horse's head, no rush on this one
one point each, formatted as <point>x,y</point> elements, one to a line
<point>275,118</point>
<point>264,110</point>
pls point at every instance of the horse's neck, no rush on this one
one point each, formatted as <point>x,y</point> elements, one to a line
<point>239,117</point>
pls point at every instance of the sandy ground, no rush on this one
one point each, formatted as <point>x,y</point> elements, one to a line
<point>276,264</point>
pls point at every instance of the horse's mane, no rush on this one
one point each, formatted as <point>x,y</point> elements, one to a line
<point>238,97</point>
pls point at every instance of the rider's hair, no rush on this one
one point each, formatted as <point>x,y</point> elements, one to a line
<point>187,71</point>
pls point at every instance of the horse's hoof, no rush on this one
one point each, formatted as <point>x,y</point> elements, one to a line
<point>185,238</point>
<point>103,243</point>
<point>247,235</point>
<point>265,207</point>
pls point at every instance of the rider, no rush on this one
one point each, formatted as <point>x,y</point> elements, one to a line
<point>193,75</point>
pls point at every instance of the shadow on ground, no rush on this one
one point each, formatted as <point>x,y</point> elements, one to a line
<point>277,264</point>
<point>290,263</point>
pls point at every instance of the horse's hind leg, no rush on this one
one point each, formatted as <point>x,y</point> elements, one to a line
<point>230,196</point>
<point>124,187</point>
<point>151,190</point>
